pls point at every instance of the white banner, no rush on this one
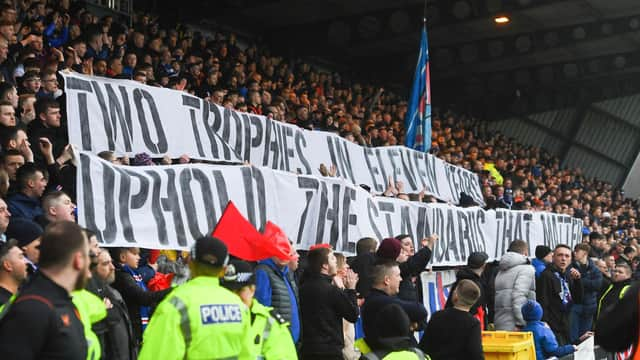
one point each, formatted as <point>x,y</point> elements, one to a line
<point>167,207</point>
<point>128,118</point>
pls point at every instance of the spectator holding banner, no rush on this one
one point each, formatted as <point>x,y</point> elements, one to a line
<point>514,285</point>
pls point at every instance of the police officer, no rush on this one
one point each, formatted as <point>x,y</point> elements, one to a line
<point>42,322</point>
<point>269,335</point>
<point>200,319</point>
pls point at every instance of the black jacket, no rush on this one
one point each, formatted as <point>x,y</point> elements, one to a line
<point>42,324</point>
<point>323,306</point>
<point>467,274</point>
<point>617,328</point>
<point>411,268</point>
<point>58,137</point>
<point>363,265</point>
<point>452,334</point>
<point>115,332</point>
<point>611,295</point>
<point>374,303</point>
<point>134,296</point>
<point>548,288</point>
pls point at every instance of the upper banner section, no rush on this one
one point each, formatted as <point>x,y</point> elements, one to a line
<point>128,117</point>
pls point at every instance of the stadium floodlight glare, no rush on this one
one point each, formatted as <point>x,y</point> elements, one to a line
<point>501,19</point>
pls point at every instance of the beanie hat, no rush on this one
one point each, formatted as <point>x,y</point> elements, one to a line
<point>142,159</point>
<point>531,311</point>
<point>542,251</point>
<point>23,230</point>
<point>389,249</point>
<point>393,322</point>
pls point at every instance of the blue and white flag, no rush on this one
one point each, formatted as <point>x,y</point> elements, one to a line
<point>418,121</point>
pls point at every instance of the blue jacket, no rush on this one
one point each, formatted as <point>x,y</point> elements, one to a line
<point>591,278</point>
<point>21,205</point>
<point>545,341</point>
<point>539,265</point>
<point>263,294</point>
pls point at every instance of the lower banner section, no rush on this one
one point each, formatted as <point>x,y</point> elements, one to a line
<point>167,207</point>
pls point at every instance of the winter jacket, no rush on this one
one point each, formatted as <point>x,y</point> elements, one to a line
<point>23,206</point>
<point>275,287</point>
<point>115,332</point>
<point>548,290</point>
<point>410,268</point>
<point>611,295</point>
<point>514,285</point>
<point>617,327</point>
<point>539,265</point>
<point>591,279</point>
<point>545,341</point>
<point>323,306</point>
<point>468,274</point>
<point>363,265</point>
<point>375,302</point>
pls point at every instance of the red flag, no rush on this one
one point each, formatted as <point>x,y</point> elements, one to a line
<point>245,242</point>
<point>276,242</point>
<point>240,236</point>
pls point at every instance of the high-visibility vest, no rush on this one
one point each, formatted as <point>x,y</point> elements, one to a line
<point>199,320</point>
<point>92,310</point>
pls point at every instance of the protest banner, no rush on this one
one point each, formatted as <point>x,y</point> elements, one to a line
<point>128,117</point>
<point>167,207</point>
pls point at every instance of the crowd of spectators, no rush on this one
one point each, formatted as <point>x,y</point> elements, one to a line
<point>37,177</point>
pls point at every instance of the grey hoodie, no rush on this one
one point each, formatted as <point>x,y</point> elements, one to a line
<point>515,284</point>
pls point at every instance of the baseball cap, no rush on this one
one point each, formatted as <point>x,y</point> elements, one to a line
<point>477,259</point>
<point>211,251</point>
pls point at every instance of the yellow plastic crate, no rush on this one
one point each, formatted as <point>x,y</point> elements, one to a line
<point>505,345</point>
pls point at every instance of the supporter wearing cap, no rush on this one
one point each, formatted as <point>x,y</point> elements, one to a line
<point>269,330</point>
<point>476,263</point>
<point>42,322</point>
<point>276,287</point>
<point>544,254</point>
<point>411,263</point>
<point>324,305</point>
<point>27,234</point>
<point>200,319</point>
<point>13,269</point>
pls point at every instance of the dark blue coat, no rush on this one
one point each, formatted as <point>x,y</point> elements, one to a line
<point>591,278</point>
